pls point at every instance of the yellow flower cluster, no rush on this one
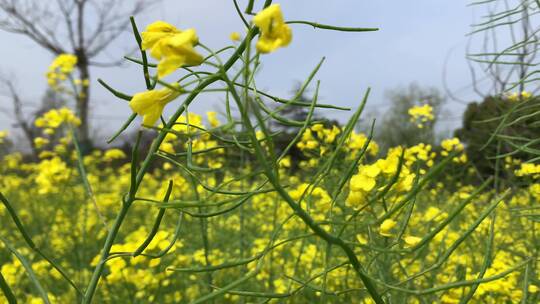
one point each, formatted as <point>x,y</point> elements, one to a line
<point>316,136</point>
<point>40,142</point>
<point>386,227</point>
<point>528,169</point>
<point>320,140</point>
<point>47,190</point>
<point>52,173</point>
<point>421,155</point>
<point>60,69</point>
<point>113,154</point>
<point>173,48</point>
<point>317,202</point>
<point>201,140</point>
<point>420,115</point>
<point>366,180</point>
<point>451,145</point>
<point>357,141</point>
<point>54,118</point>
<point>513,97</point>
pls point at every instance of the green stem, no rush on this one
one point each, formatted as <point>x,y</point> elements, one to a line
<point>105,254</point>
<point>7,291</point>
<point>148,160</point>
<point>332,27</point>
<point>306,218</point>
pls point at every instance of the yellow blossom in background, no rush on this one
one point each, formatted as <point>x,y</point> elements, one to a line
<point>190,124</point>
<point>51,174</point>
<point>411,241</point>
<point>362,182</point>
<point>208,196</point>
<point>235,36</point>
<point>451,145</point>
<point>173,47</point>
<point>46,154</point>
<point>358,140</point>
<point>113,154</point>
<point>84,82</point>
<point>285,162</point>
<point>54,118</point>
<point>64,63</point>
<point>60,68</point>
<point>361,239</point>
<point>39,142</point>
<point>48,131</point>
<point>421,115</point>
<point>528,169</point>
<point>212,119</point>
<point>518,96</point>
<point>385,229</point>
<point>150,104</point>
<point>3,134</point>
<point>275,33</point>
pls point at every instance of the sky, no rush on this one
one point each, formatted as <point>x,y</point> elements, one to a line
<point>416,41</point>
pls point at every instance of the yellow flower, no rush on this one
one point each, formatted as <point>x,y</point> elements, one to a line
<point>386,227</point>
<point>173,47</point>
<point>362,182</point>
<point>518,96</point>
<point>361,239</point>
<point>155,32</point>
<point>235,36</point>
<point>113,154</point>
<point>150,104</point>
<point>212,119</point>
<point>3,134</point>
<point>285,162</point>
<point>55,118</point>
<point>64,63</point>
<point>40,142</point>
<point>355,199</point>
<point>371,171</point>
<point>421,115</point>
<point>357,141</point>
<point>60,68</point>
<point>275,33</point>
<point>411,241</point>
<point>528,169</point>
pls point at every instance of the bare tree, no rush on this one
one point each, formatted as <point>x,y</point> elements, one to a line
<point>9,90</point>
<point>508,47</point>
<point>84,28</point>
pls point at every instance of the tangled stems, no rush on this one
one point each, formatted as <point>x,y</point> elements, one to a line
<point>244,169</point>
<point>139,175</point>
<point>31,243</point>
<point>268,170</point>
<point>306,218</point>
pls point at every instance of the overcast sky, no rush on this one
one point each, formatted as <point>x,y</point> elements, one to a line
<point>415,39</point>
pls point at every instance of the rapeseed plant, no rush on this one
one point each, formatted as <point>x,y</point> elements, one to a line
<point>215,210</point>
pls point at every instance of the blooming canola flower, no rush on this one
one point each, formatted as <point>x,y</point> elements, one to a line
<point>150,104</point>
<point>275,33</point>
<point>173,47</point>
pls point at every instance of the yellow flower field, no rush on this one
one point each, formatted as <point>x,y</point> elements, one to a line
<point>232,207</point>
